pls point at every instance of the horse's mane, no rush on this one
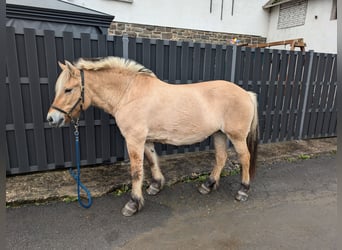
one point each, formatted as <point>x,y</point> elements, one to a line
<point>112,62</point>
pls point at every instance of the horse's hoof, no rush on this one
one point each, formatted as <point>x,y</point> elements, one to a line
<point>153,189</point>
<point>241,196</point>
<point>207,186</point>
<point>203,189</point>
<point>131,208</point>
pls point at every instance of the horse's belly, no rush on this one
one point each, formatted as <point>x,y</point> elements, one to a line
<point>179,137</point>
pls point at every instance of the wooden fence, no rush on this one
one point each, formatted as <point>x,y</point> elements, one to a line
<point>296,93</point>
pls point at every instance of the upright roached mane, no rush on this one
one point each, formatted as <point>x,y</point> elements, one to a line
<point>112,62</point>
<point>148,110</point>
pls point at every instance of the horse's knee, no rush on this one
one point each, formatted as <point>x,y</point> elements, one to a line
<point>133,206</point>
<point>209,185</point>
<point>155,187</point>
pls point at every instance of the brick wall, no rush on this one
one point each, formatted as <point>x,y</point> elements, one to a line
<point>178,34</point>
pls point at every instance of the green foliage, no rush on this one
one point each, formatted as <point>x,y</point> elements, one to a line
<point>69,199</point>
<point>304,156</point>
<point>122,190</point>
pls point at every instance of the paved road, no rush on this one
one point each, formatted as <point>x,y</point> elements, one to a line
<point>292,206</point>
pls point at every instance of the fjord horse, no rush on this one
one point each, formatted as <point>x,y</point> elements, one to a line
<point>148,110</point>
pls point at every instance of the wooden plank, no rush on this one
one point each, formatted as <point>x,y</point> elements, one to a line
<point>16,102</point>
<point>291,97</point>
<point>118,46</point>
<point>132,53</point>
<point>172,79</point>
<point>330,99</point>
<point>228,58</point>
<point>89,113</point>
<point>184,62</point>
<point>51,64</point>
<point>299,42</point>
<point>307,111</point>
<point>68,54</point>
<point>333,119</point>
<point>207,62</point>
<point>239,56</point>
<point>317,91</point>
<point>246,68</point>
<point>279,109</point>
<point>256,71</point>
<point>160,59</point>
<point>196,63</point>
<point>288,96</point>
<point>263,97</point>
<point>271,97</point>
<point>218,75</point>
<point>35,92</point>
<point>104,117</point>
<point>146,52</point>
<point>323,97</point>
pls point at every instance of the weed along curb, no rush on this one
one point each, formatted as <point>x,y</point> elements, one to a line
<point>59,185</point>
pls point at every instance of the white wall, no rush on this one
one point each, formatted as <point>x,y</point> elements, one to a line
<point>248,18</point>
<point>319,34</point>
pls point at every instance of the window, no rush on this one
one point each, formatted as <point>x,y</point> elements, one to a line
<point>292,14</point>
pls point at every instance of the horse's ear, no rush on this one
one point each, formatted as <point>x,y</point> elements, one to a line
<point>61,65</point>
<point>72,69</point>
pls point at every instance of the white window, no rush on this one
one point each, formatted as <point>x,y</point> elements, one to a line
<point>292,14</point>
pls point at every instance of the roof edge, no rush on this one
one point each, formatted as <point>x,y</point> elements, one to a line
<point>272,3</point>
<point>60,16</point>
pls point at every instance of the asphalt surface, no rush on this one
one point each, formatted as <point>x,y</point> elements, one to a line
<point>292,205</point>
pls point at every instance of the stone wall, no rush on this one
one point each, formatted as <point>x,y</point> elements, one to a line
<point>178,34</point>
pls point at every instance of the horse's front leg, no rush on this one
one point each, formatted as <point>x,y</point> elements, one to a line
<point>136,156</point>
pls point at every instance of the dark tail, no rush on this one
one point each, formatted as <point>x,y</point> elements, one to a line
<point>253,138</point>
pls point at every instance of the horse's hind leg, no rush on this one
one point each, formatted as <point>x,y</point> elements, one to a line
<point>220,143</point>
<point>241,148</point>
<point>158,179</point>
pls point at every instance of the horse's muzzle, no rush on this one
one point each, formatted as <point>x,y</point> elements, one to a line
<point>55,119</point>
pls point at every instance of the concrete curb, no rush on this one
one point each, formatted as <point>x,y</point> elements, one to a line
<point>100,180</point>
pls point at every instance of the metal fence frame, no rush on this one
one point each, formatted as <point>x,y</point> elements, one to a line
<point>296,93</point>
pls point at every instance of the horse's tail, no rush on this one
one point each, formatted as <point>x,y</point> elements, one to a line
<point>253,137</point>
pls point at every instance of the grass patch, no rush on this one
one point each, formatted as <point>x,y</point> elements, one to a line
<point>69,199</point>
<point>196,178</point>
<point>304,157</point>
<point>122,190</point>
<point>291,159</point>
<point>203,177</point>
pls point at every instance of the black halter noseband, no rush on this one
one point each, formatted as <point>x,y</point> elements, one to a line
<point>80,99</point>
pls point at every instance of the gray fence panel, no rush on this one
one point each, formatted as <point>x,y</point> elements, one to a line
<point>296,93</point>
<point>16,140</point>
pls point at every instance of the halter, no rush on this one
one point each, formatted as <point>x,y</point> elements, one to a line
<point>80,99</point>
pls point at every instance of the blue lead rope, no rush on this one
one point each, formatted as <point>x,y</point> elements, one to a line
<point>76,176</point>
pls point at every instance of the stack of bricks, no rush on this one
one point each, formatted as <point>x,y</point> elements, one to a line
<point>179,34</point>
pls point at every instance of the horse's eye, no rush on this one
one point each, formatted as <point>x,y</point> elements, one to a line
<point>66,91</point>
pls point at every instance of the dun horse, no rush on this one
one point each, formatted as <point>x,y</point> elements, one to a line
<point>148,110</point>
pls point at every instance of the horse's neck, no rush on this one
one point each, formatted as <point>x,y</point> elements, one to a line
<point>107,89</point>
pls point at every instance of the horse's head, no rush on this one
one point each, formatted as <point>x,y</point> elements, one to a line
<point>69,98</point>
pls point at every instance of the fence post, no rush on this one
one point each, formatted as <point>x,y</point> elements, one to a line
<point>125,42</point>
<point>232,74</point>
<point>307,84</point>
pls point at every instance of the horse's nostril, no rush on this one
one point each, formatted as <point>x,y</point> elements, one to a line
<point>50,119</point>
